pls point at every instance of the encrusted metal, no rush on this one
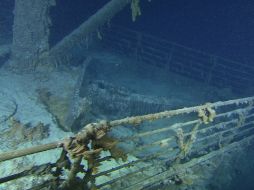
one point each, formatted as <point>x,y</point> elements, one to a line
<point>165,146</point>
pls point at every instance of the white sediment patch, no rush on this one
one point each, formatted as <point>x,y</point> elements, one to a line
<point>22,88</point>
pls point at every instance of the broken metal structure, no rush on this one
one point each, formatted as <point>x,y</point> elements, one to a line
<point>170,143</point>
<point>31,29</point>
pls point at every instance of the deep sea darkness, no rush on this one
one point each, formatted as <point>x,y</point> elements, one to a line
<point>220,27</point>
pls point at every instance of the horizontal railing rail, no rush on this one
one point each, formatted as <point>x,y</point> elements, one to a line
<point>162,142</point>
<point>177,58</point>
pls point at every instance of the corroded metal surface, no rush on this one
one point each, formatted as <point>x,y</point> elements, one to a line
<point>167,145</point>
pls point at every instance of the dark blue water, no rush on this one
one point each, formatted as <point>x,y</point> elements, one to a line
<point>220,27</point>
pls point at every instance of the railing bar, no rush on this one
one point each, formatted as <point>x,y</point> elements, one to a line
<point>167,140</point>
<point>141,169</point>
<point>184,47</point>
<point>224,139</point>
<point>127,165</point>
<point>166,114</point>
<point>190,51</point>
<point>149,166</point>
<point>186,134</point>
<point>158,154</point>
<point>202,66</point>
<point>24,152</point>
<point>27,172</point>
<point>192,163</point>
<point>128,120</point>
<point>176,125</point>
<point>220,132</point>
<point>171,127</point>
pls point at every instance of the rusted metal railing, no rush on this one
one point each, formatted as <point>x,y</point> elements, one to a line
<point>204,67</point>
<point>163,146</point>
